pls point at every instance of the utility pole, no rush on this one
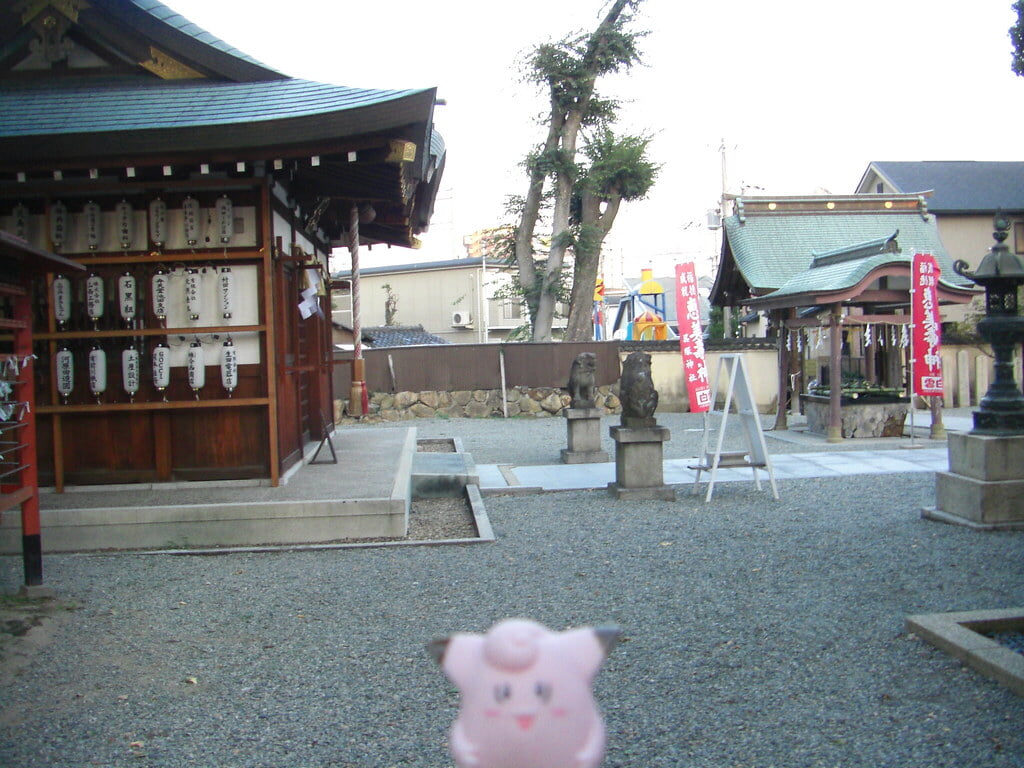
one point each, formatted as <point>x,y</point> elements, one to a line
<point>726,310</point>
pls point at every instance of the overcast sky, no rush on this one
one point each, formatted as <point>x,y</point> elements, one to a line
<point>804,93</point>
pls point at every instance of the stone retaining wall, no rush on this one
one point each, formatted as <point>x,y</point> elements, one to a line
<point>869,420</point>
<point>522,402</point>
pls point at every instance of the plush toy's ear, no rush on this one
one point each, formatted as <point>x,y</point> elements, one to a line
<point>586,647</point>
<point>437,648</point>
<point>608,636</point>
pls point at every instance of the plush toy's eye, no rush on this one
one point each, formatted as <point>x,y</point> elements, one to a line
<point>502,692</point>
<point>543,691</point>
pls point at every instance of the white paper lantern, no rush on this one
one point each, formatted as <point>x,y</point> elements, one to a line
<point>126,296</point>
<point>161,366</point>
<point>93,225</point>
<point>196,367</point>
<point>130,370</point>
<point>64,362</point>
<point>225,219</point>
<point>193,296</point>
<point>97,371</point>
<point>125,218</point>
<point>226,285</point>
<point>229,366</point>
<point>158,222</point>
<point>95,297</point>
<point>159,286</point>
<point>58,224</point>
<point>61,299</point>
<point>20,214</point>
<point>190,213</point>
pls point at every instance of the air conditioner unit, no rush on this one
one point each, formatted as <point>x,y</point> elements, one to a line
<point>461,318</point>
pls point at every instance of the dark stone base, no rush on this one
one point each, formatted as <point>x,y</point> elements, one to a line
<point>638,422</point>
<point>996,423</point>
<point>658,493</point>
<point>584,457</point>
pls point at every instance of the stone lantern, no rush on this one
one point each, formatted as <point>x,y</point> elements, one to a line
<point>1001,272</point>
<point>985,484</point>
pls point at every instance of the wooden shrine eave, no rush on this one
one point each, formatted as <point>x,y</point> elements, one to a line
<point>209,144</point>
<point>828,205</point>
<point>31,259</point>
<point>861,294</point>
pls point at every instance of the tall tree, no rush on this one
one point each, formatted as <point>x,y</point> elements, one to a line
<point>1017,37</point>
<point>569,70</point>
<point>618,170</point>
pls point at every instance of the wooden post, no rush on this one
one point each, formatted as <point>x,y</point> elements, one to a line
<point>357,393</point>
<point>870,374</point>
<point>938,429</point>
<point>163,459</point>
<point>56,425</point>
<point>781,413</point>
<point>835,376</point>
<point>270,336</point>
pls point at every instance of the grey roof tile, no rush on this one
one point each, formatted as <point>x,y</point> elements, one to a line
<point>421,266</point>
<point>960,186</point>
<point>400,336</point>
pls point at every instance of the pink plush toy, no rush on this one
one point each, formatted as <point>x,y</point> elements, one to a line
<point>526,697</point>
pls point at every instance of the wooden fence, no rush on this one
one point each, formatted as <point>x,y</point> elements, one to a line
<point>456,367</point>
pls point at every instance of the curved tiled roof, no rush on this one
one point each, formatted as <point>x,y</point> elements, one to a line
<point>197,100</point>
<point>115,105</point>
<point>173,19</point>
<point>771,250</point>
<point>836,277</point>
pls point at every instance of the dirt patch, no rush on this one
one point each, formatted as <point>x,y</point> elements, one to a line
<point>25,627</point>
<point>436,445</point>
<point>438,519</point>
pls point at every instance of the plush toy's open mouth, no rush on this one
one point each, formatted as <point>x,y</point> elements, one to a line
<point>524,721</point>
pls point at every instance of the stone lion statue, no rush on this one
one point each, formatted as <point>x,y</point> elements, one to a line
<point>582,383</point>
<point>636,390</point>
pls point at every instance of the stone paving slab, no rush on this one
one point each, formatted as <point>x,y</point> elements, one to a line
<point>565,477</point>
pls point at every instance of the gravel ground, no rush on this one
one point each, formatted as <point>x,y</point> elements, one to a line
<point>1014,640</point>
<point>756,633</point>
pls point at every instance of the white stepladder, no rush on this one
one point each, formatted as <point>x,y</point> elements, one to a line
<point>740,394</point>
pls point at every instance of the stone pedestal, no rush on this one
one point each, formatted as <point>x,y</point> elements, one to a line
<point>583,436</point>
<point>639,472</point>
<point>984,487</point>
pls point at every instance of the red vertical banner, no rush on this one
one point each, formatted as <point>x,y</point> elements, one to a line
<point>927,337</point>
<point>691,339</point>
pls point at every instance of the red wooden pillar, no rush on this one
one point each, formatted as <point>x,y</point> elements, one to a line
<point>31,541</point>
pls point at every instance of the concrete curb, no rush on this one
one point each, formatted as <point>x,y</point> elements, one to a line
<point>959,634</point>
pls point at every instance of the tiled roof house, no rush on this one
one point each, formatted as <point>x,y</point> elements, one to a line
<point>962,195</point>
